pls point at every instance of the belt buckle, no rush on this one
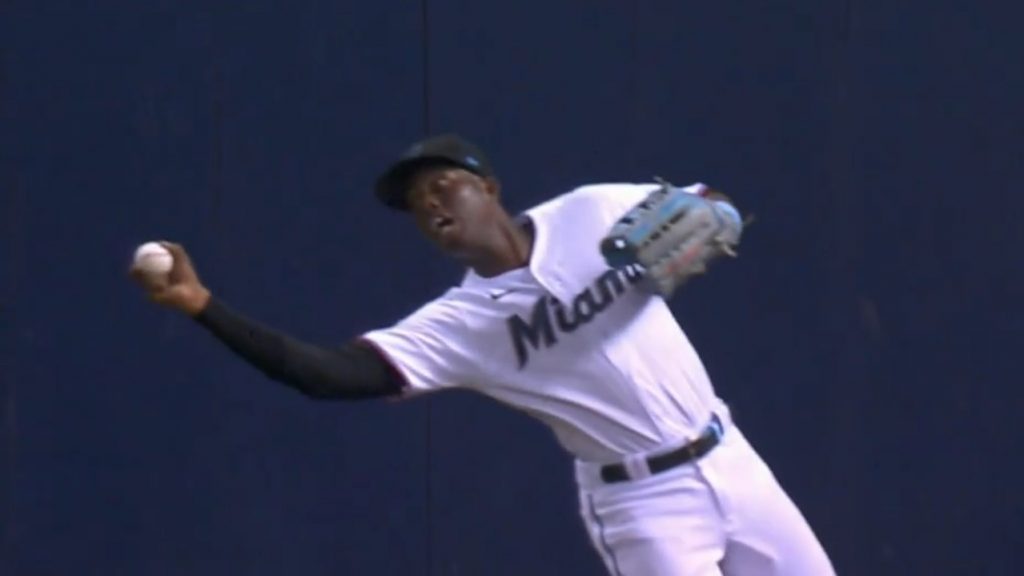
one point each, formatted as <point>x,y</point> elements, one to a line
<point>713,432</point>
<point>691,451</point>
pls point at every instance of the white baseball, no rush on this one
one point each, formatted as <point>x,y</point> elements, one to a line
<point>152,258</point>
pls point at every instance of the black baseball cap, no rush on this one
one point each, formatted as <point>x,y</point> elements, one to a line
<point>443,149</point>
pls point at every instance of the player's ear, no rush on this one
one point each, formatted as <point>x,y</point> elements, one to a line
<point>493,187</point>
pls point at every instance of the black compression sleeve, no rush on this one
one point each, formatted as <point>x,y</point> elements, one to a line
<point>352,371</point>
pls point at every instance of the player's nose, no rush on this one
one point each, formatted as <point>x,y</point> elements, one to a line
<point>434,202</point>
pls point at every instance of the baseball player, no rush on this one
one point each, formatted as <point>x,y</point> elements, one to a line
<point>551,320</point>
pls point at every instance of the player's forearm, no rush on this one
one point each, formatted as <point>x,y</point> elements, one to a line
<point>349,372</point>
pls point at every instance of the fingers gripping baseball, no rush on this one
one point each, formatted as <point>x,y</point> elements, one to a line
<point>168,277</point>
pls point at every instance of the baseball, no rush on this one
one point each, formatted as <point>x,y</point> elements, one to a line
<point>152,258</point>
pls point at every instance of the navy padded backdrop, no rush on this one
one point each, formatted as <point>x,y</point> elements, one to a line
<point>867,337</point>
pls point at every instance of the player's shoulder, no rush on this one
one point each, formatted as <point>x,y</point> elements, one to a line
<point>609,191</point>
<point>454,308</point>
<point>595,196</point>
<point>442,308</point>
<point>614,191</point>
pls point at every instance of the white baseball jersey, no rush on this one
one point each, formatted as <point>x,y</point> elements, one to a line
<point>566,339</point>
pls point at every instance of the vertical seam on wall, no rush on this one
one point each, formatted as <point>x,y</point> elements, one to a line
<point>425,54</point>
<point>217,130</point>
<point>12,203</point>
<point>425,63</point>
<point>636,89</point>
<point>212,228</point>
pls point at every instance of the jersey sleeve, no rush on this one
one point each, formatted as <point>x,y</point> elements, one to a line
<point>431,348</point>
<point>614,201</point>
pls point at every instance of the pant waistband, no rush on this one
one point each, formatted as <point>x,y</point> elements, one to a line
<point>644,465</point>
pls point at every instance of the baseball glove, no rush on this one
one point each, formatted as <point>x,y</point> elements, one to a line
<point>673,234</point>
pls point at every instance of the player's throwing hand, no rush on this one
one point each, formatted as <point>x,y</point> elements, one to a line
<point>180,288</point>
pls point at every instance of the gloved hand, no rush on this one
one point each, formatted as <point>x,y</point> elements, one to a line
<point>673,234</point>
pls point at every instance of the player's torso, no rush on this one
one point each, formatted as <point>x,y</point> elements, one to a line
<point>605,365</point>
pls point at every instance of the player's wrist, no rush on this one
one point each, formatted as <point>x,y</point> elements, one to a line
<point>197,301</point>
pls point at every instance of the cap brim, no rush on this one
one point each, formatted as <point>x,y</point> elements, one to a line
<point>393,186</point>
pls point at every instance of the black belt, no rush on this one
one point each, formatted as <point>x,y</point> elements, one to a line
<point>708,439</point>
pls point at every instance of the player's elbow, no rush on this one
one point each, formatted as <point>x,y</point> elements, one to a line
<point>317,393</point>
<point>342,390</point>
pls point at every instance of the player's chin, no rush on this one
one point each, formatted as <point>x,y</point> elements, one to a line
<point>450,241</point>
<point>453,247</point>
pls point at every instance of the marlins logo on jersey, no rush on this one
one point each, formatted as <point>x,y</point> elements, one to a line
<point>539,329</point>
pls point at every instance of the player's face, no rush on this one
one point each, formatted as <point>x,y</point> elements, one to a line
<point>453,207</point>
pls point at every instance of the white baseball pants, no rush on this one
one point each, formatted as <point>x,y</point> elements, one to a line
<point>724,514</point>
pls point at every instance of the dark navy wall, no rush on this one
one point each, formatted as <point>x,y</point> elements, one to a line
<point>868,337</point>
